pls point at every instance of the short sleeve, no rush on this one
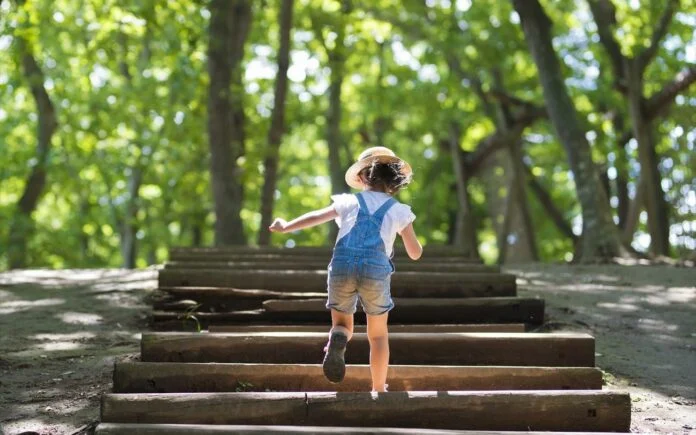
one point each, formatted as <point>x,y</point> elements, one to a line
<point>404,217</point>
<point>343,203</point>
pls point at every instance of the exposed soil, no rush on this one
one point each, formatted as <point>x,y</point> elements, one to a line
<point>643,319</point>
<point>62,330</point>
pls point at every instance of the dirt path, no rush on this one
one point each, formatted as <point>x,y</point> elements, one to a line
<point>61,331</point>
<point>644,322</point>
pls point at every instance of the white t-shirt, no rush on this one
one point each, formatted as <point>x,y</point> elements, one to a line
<point>397,218</point>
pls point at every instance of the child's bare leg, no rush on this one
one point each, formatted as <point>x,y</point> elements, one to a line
<point>342,322</point>
<point>378,336</point>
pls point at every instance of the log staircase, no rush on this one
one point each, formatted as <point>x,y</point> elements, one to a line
<point>238,338</point>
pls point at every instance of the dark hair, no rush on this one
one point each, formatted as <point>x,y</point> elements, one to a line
<point>385,177</point>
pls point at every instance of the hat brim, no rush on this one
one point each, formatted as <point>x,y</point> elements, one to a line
<point>352,178</point>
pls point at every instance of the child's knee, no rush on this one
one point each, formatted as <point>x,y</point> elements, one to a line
<point>378,339</point>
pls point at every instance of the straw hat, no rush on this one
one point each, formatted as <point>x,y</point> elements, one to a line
<point>367,157</point>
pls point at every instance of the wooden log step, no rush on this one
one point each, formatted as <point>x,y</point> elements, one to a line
<point>139,377</point>
<point>471,410</point>
<point>223,299</point>
<point>400,259</point>
<point>431,250</point>
<point>404,284</point>
<point>181,321</point>
<point>228,429</point>
<point>430,310</point>
<point>406,311</point>
<point>314,264</point>
<point>493,327</point>
<point>219,294</point>
<point>253,319</point>
<point>506,349</point>
<point>236,293</point>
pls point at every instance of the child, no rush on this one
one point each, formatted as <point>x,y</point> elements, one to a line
<point>361,265</point>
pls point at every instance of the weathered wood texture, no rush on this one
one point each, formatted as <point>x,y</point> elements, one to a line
<point>220,299</point>
<point>410,310</point>
<point>223,429</point>
<point>493,327</point>
<point>404,284</point>
<point>325,257</point>
<point>434,251</point>
<point>518,349</point>
<point>302,263</point>
<point>140,377</point>
<point>508,410</point>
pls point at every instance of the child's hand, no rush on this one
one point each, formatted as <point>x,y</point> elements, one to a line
<point>278,225</point>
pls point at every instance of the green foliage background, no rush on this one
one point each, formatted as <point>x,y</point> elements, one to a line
<point>128,79</point>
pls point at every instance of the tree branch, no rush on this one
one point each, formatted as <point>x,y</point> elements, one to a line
<point>501,139</point>
<point>47,125</point>
<point>546,201</point>
<point>604,14</point>
<point>646,56</point>
<point>660,101</point>
<point>506,98</point>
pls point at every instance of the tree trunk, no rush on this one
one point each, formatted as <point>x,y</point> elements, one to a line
<point>381,122</point>
<point>633,213</point>
<point>547,203</point>
<point>655,203</point>
<point>128,225</point>
<point>22,225</point>
<point>197,234</point>
<point>600,239</point>
<point>504,228</point>
<point>337,59</point>
<point>465,227</point>
<point>621,166</point>
<point>524,248</point>
<point>333,116</point>
<point>228,31</point>
<point>84,207</point>
<point>516,241</point>
<point>629,73</point>
<point>275,131</point>
<point>129,228</point>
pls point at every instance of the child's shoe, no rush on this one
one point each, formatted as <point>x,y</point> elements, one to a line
<point>334,364</point>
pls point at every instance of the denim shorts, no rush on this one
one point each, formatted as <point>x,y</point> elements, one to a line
<point>357,277</point>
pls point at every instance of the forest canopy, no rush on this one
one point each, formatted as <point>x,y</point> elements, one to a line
<point>129,127</point>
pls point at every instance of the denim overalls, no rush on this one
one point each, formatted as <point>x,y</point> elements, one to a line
<point>360,267</point>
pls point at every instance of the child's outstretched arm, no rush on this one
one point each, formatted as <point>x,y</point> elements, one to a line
<point>307,220</point>
<point>411,243</point>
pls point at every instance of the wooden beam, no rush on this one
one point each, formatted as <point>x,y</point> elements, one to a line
<point>220,299</point>
<point>407,310</point>
<point>431,250</point>
<point>408,284</point>
<point>224,429</point>
<point>319,256</point>
<point>321,264</point>
<point>508,349</point>
<point>475,410</point>
<point>493,327</point>
<point>142,377</point>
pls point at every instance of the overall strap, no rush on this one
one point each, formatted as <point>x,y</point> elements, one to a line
<point>362,204</point>
<point>379,214</point>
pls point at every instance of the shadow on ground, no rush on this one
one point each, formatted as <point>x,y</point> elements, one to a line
<point>644,322</point>
<point>60,333</point>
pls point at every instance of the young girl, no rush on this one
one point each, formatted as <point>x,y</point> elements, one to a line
<point>361,265</point>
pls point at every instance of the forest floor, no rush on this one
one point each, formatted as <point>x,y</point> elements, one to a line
<point>61,331</point>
